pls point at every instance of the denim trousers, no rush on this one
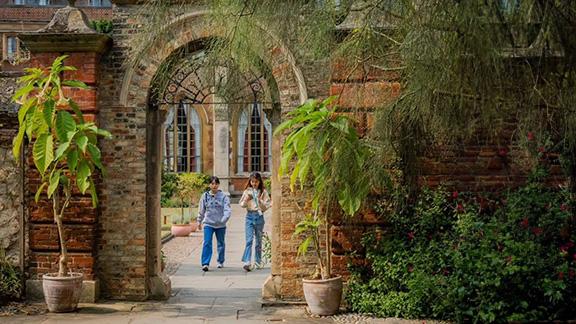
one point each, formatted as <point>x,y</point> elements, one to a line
<point>207,246</point>
<point>254,230</point>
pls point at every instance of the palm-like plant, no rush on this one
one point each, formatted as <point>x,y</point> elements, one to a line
<point>64,151</point>
<point>328,152</point>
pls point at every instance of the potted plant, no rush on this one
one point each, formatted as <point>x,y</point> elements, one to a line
<point>66,156</point>
<point>188,189</point>
<point>330,159</point>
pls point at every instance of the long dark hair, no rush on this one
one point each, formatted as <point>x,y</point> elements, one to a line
<point>257,176</point>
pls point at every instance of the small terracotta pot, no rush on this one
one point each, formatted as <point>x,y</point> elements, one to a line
<point>62,294</point>
<point>180,230</point>
<point>323,295</point>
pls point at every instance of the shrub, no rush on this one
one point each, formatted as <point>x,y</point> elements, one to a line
<point>465,257</point>
<point>102,26</point>
<point>169,183</point>
<point>10,281</point>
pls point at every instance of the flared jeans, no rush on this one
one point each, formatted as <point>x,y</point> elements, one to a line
<point>254,229</point>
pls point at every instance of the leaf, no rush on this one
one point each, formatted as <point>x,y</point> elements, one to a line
<point>104,133</point>
<point>93,193</point>
<point>82,141</point>
<point>54,182</point>
<point>17,143</point>
<point>39,191</point>
<point>62,149</point>
<point>95,154</point>
<point>28,122</point>
<point>23,92</point>
<point>48,111</point>
<point>77,111</point>
<point>82,176</point>
<point>39,125</point>
<point>64,125</point>
<point>75,84</point>
<point>72,160</point>
<point>23,111</point>
<point>303,248</point>
<point>57,64</point>
<point>43,152</point>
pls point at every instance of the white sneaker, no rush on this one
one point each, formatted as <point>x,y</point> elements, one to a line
<point>259,265</point>
<point>247,267</point>
<point>219,266</point>
<point>204,268</point>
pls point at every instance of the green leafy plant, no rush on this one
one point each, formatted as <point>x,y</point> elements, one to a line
<point>65,150</point>
<point>169,183</point>
<point>10,280</point>
<point>102,26</point>
<point>266,248</point>
<point>329,153</point>
<point>468,257</point>
<point>189,187</point>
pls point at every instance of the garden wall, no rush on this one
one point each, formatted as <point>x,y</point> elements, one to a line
<point>10,173</point>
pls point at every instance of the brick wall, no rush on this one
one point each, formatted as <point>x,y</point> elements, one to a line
<point>35,14</point>
<point>10,173</point>
<point>80,219</point>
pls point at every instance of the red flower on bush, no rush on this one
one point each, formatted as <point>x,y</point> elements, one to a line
<point>530,136</point>
<point>561,275</point>
<point>455,194</point>
<point>563,207</point>
<point>460,208</point>
<point>524,223</point>
<point>537,231</point>
<point>541,149</point>
<point>503,152</point>
<point>410,268</point>
<point>410,236</point>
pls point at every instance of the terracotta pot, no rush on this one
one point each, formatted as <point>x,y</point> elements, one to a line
<point>180,230</point>
<point>62,293</point>
<point>323,295</point>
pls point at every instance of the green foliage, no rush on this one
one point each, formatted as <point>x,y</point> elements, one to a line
<point>102,26</point>
<point>268,184</point>
<point>10,280</point>
<point>189,187</point>
<point>65,151</point>
<point>169,183</point>
<point>327,152</point>
<point>468,258</point>
<point>266,248</point>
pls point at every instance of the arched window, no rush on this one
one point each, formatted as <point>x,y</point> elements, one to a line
<point>254,140</point>
<point>182,140</point>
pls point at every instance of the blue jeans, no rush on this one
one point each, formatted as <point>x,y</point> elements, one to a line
<point>207,246</point>
<point>254,229</point>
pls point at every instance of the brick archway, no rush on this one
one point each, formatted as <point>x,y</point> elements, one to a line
<point>129,247</point>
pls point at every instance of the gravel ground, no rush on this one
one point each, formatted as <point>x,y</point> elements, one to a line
<point>178,249</point>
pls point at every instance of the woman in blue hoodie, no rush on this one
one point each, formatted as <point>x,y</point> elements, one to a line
<point>213,214</point>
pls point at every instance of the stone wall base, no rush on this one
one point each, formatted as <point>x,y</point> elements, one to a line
<point>90,290</point>
<point>160,287</point>
<point>271,288</point>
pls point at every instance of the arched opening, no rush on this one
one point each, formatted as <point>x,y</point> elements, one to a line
<point>196,126</point>
<point>129,265</point>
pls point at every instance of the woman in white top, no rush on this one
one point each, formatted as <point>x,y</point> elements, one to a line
<point>256,201</point>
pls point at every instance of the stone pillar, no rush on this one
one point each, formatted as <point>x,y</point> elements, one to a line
<point>221,137</point>
<point>68,33</point>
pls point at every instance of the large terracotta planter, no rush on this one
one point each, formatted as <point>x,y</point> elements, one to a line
<point>323,295</point>
<point>62,293</point>
<point>180,230</point>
